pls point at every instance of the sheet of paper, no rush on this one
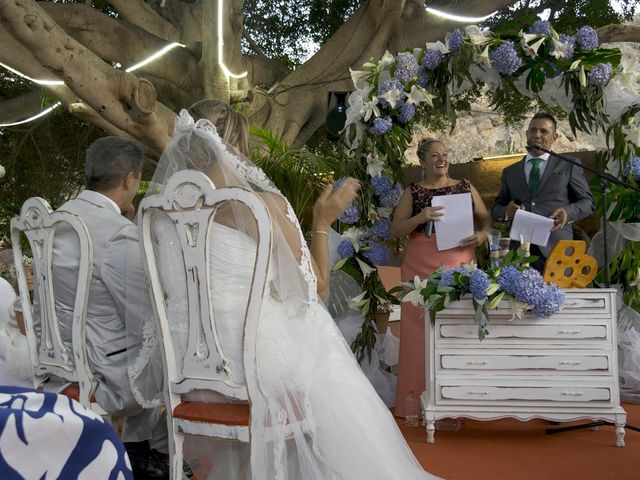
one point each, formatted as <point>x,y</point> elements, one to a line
<point>527,225</point>
<point>456,221</point>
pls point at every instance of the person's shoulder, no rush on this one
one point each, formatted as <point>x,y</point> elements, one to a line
<point>127,231</point>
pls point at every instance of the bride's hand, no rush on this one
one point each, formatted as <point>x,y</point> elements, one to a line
<point>332,202</point>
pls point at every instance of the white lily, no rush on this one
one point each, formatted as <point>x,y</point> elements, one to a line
<point>370,108</point>
<point>636,281</point>
<point>583,77</point>
<point>532,50</point>
<point>393,96</point>
<point>415,296</point>
<point>386,61</point>
<point>560,49</point>
<point>365,267</point>
<point>385,212</point>
<point>575,65</point>
<point>359,78</point>
<point>437,46</point>
<point>476,35</point>
<point>419,95</point>
<point>2,171</point>
<point>528,37</point>
<point>517,309</point>
<point>372,213</point>
<point>353,234</point>
<point>632,133</point>
<point>374,165</point>
<point>483,58</point>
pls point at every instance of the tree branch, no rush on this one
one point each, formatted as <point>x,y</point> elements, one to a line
<point>125,101</point>
<point>619,33</point>
<point>138,13</point>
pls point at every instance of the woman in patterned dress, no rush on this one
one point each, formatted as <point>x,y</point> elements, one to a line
<point>414,216</point>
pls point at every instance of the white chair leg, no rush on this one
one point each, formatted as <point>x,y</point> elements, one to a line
<point>175,450</point>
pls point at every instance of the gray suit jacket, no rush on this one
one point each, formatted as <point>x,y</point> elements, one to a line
<point>118,279</point>
<point>562,185</point>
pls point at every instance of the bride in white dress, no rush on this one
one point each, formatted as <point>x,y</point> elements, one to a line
<point>304,364</point>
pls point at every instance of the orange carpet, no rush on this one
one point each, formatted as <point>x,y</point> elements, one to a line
<point>510,449</point>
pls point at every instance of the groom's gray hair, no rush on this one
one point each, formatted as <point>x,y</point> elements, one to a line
<point>109,160</point>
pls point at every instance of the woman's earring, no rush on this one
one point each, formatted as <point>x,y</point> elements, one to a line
<point>422,173</point>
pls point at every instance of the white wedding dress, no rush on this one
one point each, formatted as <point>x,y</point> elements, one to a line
<point>306,370</point>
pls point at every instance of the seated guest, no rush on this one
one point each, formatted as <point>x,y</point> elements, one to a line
<point>414,216</point>
<point>544,184</point>
<point>113,169</point>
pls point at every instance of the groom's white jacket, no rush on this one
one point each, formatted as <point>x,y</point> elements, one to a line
<point>118,288</point>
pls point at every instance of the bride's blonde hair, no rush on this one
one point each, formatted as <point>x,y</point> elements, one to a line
<point>232,126</point>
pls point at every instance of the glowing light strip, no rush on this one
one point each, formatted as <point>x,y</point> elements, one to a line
<point>458,18</point>
<point>46,111</point>
<point>224,68</point>
<point>34,80</point>
<point>153,57</point>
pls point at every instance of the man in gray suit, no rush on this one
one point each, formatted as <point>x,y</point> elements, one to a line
<point>118,294</point>
<point>546,185</point>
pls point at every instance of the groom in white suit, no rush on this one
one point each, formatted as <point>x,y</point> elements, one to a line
<point>113,169</point>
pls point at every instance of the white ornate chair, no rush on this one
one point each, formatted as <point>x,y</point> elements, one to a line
<point>49,355</point>
<point>191,200</point>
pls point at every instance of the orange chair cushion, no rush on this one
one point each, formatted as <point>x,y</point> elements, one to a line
<point>217,413</point>
<point>73,391</point>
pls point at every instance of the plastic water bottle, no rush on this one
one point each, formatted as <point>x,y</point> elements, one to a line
<point>411,406</point>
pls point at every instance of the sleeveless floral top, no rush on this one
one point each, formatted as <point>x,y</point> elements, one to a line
<point>421,196</point>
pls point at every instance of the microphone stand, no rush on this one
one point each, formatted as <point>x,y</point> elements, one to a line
<point>604,178</point>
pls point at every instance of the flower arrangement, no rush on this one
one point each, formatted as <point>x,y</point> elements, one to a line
<point>596,87</point>
<point>523,287</point>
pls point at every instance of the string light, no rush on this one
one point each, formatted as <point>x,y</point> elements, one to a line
<point>458,18</point>
<point>153,57</point>
<point>34,80</point>
<point>46,111</point>
<point>224,68</point>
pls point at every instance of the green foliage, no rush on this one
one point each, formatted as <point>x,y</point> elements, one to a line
<point>625,270</point>
<point>298,173</point>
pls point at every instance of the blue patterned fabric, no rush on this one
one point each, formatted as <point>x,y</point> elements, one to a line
<point>46,436</point>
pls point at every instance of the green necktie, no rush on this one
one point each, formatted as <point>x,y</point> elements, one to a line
<point>534,176</point>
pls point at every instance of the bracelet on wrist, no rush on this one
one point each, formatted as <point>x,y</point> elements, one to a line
<point>322,232</point>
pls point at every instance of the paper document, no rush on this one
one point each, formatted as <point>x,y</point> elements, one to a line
<point>527,226</point>
<point>456,221</point>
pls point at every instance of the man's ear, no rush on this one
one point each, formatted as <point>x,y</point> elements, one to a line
<point>130,180</point>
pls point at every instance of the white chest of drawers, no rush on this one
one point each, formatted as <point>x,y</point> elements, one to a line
<point>560,368</point>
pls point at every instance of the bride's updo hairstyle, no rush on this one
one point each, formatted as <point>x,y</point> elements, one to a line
<point>231,125</point>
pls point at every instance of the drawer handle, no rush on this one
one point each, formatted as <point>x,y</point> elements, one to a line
<point>481,393</point>
<point>572,362</point>
<point>477,362</point>
<point>570,394</point>
<point>569,332</point>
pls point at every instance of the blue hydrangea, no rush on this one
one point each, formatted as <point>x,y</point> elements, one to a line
<point>381,185</point>
<point>392,197</point>
<point>381,125</point>
<point>407,112</point>
<point>382,228</point>
<point>345,249</point>
<point>446,279</point>
<point>423,77</point>
<point>456,39</point>
<point>350,215</point>
<point>508,279</point>
<point>571,41</point>
<point>540,27</point>
<point>432,59</point>
<point>391,84</point>
<point>600,74</point>
<point>505,59</point>
<point>529,287</point>
<point>478,284</point>
<point>406,67</point>
<point>587,38</point>
<point>551,302</point>
<point>632,168</point>
<point>378,254</point>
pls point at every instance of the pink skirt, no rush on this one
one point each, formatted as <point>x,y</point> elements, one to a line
<point>421,258</point>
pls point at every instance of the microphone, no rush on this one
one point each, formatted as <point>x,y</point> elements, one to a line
<point>428,230</point>
<point>531,147</point>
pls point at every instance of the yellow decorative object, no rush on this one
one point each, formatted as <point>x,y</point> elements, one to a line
<point>569,266</point>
